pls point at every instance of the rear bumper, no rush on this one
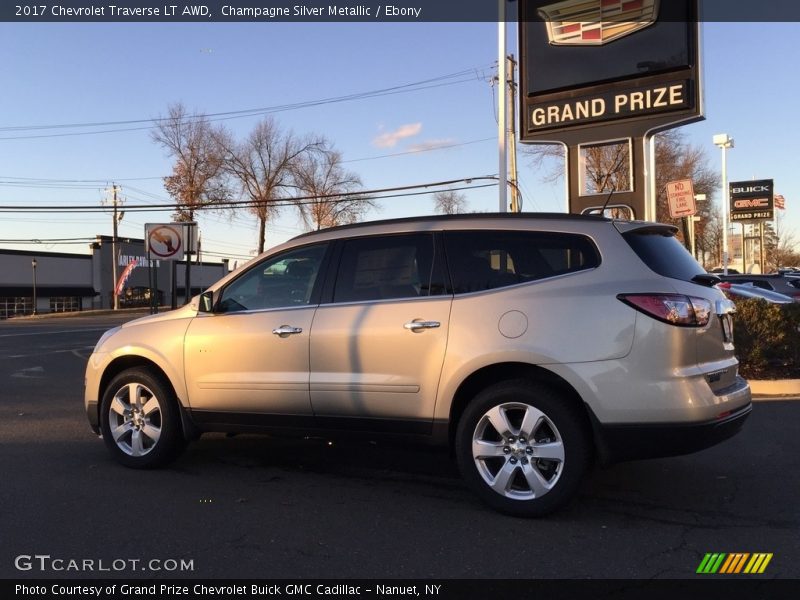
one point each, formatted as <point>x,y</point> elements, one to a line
<point>633,442</point>
<point>618,442</point>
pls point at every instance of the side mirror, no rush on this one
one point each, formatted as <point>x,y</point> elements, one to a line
<point>206,303</point>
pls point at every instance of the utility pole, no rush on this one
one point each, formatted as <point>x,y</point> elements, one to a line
<point>511,65</point>
<point>501,108</point>
<point>114,254</point>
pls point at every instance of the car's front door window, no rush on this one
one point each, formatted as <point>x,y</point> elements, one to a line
<point>283,281</point>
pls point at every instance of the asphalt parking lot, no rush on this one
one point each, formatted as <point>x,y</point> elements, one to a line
<point>257,507</point>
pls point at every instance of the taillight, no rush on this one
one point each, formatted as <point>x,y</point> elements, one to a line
<point>675,309</point>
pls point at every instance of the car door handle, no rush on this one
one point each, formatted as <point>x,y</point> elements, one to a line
<point>286,330</point>
<point>417,326</point>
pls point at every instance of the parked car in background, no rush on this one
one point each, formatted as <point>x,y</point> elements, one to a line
<point>718,270</point>
<point>774,282</point>
<point>748,291</point>
<point>529,344</point>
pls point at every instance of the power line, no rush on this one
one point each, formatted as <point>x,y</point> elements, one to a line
<point>35,181</point>
<point>300,200</point>
<point>36,241</point>
<point>445,80</point>
<point>249,111</point>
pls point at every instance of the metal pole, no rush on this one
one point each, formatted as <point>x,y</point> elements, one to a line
<point>501,107</point>
<point>173,284</point>
<point>512,138</point>
<point>33,264</point>
<point>114,256</point>
<point>744,251</point>
<point>651,193</point>
<point>190,240</point>
<point>762,249</point>
<point>725,208</point>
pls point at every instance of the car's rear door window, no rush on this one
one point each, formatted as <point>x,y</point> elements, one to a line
<point>388,267</point>
<point>484,260</point>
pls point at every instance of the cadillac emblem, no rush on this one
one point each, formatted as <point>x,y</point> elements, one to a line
<point>596,22</point>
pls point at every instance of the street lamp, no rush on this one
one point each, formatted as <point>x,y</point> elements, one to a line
<point>724,141</point>
<point>33,265</point>
<point>692,220</point>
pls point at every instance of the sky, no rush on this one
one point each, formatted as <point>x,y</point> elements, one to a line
<point>65,74</point>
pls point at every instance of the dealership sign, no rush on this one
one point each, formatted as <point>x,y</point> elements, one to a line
<point>611,105</point>
<point>752,200</point>
<point>608,71</point>
<point>584,62</point>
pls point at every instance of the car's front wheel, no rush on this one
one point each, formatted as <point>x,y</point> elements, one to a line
<point>522,447</point>
<point>139,420</point>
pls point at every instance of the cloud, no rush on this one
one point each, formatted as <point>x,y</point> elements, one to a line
<point>432,145</point>
<point>390,138</point>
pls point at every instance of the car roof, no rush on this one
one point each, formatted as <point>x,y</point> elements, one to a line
<point>444,221</point>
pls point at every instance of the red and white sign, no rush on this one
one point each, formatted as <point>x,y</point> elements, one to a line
<point>164,240</point>
<point>680,195</point>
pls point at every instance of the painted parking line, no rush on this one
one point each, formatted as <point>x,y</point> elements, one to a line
<point>74,351</point>
<point>7,335</point>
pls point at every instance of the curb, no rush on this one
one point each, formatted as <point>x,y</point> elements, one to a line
<point>82,313</point>
<point>774,387</point>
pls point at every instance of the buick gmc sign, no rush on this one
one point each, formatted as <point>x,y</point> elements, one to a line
<point>752,200</point>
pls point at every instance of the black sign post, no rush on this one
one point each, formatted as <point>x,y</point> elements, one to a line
<point>594,71</point>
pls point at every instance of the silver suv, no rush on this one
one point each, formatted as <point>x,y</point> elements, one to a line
<point>530,344</point>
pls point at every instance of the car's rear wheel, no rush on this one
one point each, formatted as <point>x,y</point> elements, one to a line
<point>139,420</point>
<point>522,448</point>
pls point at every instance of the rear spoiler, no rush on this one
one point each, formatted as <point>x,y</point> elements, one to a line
<point>645,227</point>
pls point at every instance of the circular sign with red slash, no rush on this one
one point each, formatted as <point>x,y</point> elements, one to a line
<point>165,241</point>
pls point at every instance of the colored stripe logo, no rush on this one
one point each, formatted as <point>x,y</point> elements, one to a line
<point>734,563</point>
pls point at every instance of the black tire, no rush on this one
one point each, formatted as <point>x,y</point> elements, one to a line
<point>555,460</point>
<point>145,432</point>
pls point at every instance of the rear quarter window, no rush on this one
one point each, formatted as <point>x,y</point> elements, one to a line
<point>664,254</point>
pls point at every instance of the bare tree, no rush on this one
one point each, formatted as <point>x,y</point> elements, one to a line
<point>450,202</point>
<point>197,174</point>
<point>677,159</point>
<point>608,168</point>
<point>780,245</point>
<point>708,237</point>
<point>333,191</point>
<point>263,166</point>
